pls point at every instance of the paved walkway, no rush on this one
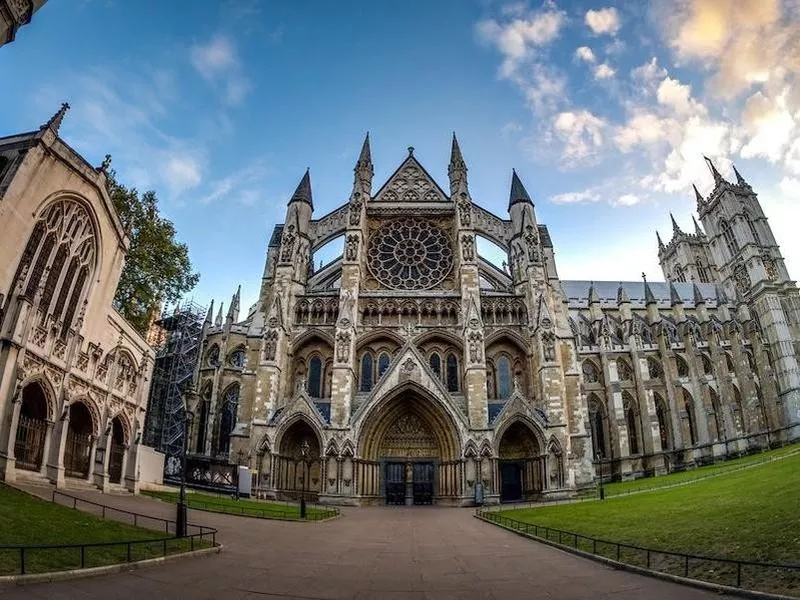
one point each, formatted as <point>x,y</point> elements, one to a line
<point>370,553</point>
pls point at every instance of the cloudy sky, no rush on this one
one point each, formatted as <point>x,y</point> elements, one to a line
<point>604,108</point>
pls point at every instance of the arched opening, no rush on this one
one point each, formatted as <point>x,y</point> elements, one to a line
<point>492,253</point>
<point>716,426</point>
<point>662,415</point>
<point>31,428</point>
<point>294,473</point>
<point>520,463</point>
<point>227,420</point>
<point>327,254</point>
<point>410,449</point>
<point>78,450</point>
<point>202,419</point>
<point>632,422</point>
<point>117,451</point>
<point>690,430</point>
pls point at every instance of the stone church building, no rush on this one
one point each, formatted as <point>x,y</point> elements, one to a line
<point>415,370</point>
<point>73,373</point>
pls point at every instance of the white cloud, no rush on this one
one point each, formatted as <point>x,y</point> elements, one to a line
<point>603,21</point>
<point>648,75</point>
<point>575,197</point>
<point>218,62</point>
<point>793,157</point>
<point>581,133</point>
<point>603,71</point>
<point>642,128</point>
<point>769,126</point>
<point>585,53</point>
<point>240,186</point>
<point>627,200</point>
<point>517,37</point>
<point>182,172</point>
<point>790,186</point>
<point>678,96</point>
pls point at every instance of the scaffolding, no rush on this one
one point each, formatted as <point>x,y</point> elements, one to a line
<point>179,339</point>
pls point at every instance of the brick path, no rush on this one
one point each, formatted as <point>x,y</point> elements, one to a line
<point>380,553</point>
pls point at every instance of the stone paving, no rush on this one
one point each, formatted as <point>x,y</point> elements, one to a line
<point>381,553</point>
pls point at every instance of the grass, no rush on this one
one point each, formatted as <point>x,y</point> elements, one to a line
<point>626,487</point>
<point>746,515</point>
<point>249,508</point>
<point>26,520</point>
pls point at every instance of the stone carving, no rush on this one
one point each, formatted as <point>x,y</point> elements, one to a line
<point>409,365</point>
<point>742,279</point>
<point>468,248</point>
<point>355,209</point>
<point>769,267</point>
<point>287,244</point>
<point>351,247</point>
<point>465,210</point>
<point>346,310</point>
<point>549,346</point>
<point>270,344</point>
<point>475,339</point>
<point>343,347</point>
<point>533,244</point>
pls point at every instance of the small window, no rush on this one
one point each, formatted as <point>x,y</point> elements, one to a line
<point>315,377</point>
<point>436,364</point>
<point>383,364</point>
<point>452,373</point>
<point>213,356</point>
<point>503,378</point>
<point>728,236</point>
<point>237,358</point>
<point>366,372</point>
<point>679,274</point>
<point>590,373</point>
<point>683,367</point>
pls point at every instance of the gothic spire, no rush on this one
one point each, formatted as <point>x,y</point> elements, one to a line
<point>55,121</point>
<point>303,191</point>
<point>697,230</point>
<point>363,169</point>
<point>622,295</point>
<point>675,229</point>
<point>218,320</point>
<point>698,296</point>
<point>210,313</point>
<point>456,159</point>
<point>739,179</point>
<point>717,177</point>
<point>674,296</point>
<point>649,298</point>
<point>699,197</point>
<point>457,170</point>
<point>593,297</point>
<point>660,243</point>
<point>366,155</point>
<point>518,191</point>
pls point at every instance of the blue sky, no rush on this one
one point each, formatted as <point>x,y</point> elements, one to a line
<point>604,108</point>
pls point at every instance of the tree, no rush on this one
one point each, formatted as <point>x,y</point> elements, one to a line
<point>157,267</point>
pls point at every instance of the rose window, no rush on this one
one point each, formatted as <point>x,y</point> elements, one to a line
<point>409,254</point>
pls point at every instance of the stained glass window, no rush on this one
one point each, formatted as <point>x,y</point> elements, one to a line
<point>452,373</point>
<point>383,364</point>
<point>366,372</point>
<point>503,378</point>
<point>315,377</point>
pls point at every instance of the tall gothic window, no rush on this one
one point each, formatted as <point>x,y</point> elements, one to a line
<point>679,274</point>
<point>683,367</point>
<point>315,377</point>
<point>436,364</point>
<point>661,416</point>
<point>630,420</point>
<point>366,372</point>
<point>717,426</point>
<point>702,272</point>
<point>202,423</point>
<point>598,426</point>
<point>752,226</point>
<point>504,382</point>
<point>383,364</point>
<point>63,245</point>
<point>452,373</point>
<point>689,408</point>
<point>227,423</point>
<point>624,370</point>
<point>729,237</point>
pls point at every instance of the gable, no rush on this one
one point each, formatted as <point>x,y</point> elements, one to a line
<point>410,183</point>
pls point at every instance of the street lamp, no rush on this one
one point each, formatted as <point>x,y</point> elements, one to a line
<point>181,517</point>
<point>600,458</point>
<point>304,450</point>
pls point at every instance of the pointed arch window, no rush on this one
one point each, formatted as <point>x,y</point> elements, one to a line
<point>689,408</point>
<point>366,372</point>
<point>661,416</point>
<point>452,373</point>
<point>230,410</point>
<point>436,364</point>
<point>702,272</point>
<point>683,367</point>
<point>717,426</point>
<point>590,372</point>
<point>503,378</point>
<point>237,358</point>
<point>202,425</point>
<point>315,377</point>
<point>729,237</point>
<point>624,370</point>
<point>383,364</point>
<point>679,274</point>
<point>752,227</point>
<point>598,425</point>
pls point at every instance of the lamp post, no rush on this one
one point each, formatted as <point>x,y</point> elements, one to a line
<point>304,449</point>
<point>602,491</point>
<point>181,517</point>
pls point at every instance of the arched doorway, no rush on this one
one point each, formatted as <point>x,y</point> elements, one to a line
<point>31,428</point>
<point>77,453</point>
<point>293,473</point>
<point>117,451</point>
<point>410,451</point>
<point>520,463</point>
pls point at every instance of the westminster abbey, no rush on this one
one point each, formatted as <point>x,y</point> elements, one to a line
<point>411,369</point>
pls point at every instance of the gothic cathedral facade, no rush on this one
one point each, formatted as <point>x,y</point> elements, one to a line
<point>411,369</point>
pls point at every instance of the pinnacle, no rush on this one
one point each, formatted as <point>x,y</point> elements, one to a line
<point>303,191</point>
<point>518,191</point>
<point>739,179</point>
<point>55,121</point>
<point>660,243</point>
<point>675,229</point>
<point>717,177</point>
<point>365,157</point>
<point>649,298</point>
<point>674,296</point>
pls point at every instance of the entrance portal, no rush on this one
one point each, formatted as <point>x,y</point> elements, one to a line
<point>117,451</point>
<point>410,482</point>
<point>32,429</point>
<point>79,441</point>
<point>511,480</point>
<point>521,464</point>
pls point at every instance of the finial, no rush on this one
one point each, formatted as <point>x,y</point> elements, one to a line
<point>660,243</point>
<point>698,296</point>
<point>622,295</point>
<point>649,298</point>
<point>675,229</point>
<point>365,157</point>
<point>697,230</point>
<point>303,191</point>
<point>411,150</point>
<point>739,179</point>
<point>674,296</point>
<point>717,177</point>
<point>518,192</point>
<point>55,121</point>
<point>106,164</point>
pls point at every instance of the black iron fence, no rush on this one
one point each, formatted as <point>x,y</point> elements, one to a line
<point>754,575</point>
<point>315,512</point>
<point>19,559</point>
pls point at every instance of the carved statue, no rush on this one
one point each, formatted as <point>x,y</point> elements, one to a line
<point>287,244</point>
<point>343,347</point>
<point>468,248</point>
<point>351,247</point>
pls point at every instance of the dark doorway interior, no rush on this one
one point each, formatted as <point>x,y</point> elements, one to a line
<point>395,483</point>
<point>511,478</point>
<point>423,483</point>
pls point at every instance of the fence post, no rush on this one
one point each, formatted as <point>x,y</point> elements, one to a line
<point>74,503</point>
<point>83,557</point>
<point>738,574</point>
<point>617,552</point>
<point>129,552</point>
<point>104,511</point>
<point>22,560</point>
<point>165,547</point>
<point>686,566</point>
<point>648,559</point>
<point>135,520</point>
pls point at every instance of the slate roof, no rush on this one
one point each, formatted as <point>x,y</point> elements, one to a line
<point>577,292</point>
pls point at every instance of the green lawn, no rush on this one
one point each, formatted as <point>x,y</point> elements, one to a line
<point>749,515</point>
<point>625,487</point>
<point>249,508</point>
<point>25,520</point>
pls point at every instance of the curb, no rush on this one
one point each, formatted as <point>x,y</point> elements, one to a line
<point>697,583</point>
<point>55,576</point>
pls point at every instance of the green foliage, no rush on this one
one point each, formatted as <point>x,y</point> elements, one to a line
<point>157,267</point>
<point>249,508</point>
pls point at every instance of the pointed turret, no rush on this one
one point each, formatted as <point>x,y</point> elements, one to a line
<point>650,302</point>
<point>55,121</point>
<point>699,197</point>
<point>697,295</point>
<point>218,320</point>
<point>595,312</point>
<point>697,231</point>
<point>649,298</point>
<point>457,170</point>
<point>518,192</point>
<point>303,191</point>
<point>624,303</point>
<point>233,309</point>
<point>364,169</point>
<point>675,229</point>
<point>722,304</point>
<point>661,246</point>
<point>209,314</point>
<point>674,296</point>
<point>717,177</point>
<point>739,179</point>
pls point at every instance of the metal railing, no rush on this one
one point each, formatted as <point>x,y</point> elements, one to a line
<point>23,559</point>
<point>270,511</point>
<point>745,574</point>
